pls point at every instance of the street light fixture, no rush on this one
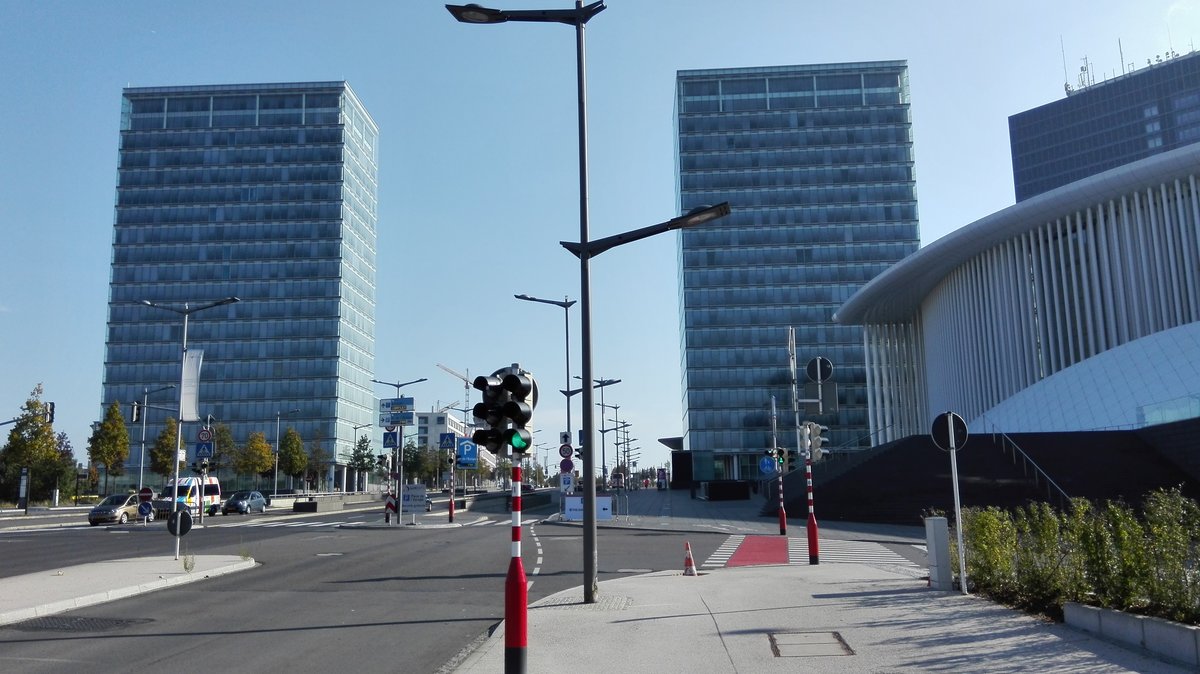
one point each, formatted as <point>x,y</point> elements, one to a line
<point>398,385</point>
<point>566,305</point>
<point>186,311</point>
<point>146,391</point>
<point>275,492</point>
<point>584,250</point>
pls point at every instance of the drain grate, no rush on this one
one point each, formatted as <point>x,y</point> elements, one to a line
<point>603,603</point>
<point>56,623</point>
<point>808,644</point>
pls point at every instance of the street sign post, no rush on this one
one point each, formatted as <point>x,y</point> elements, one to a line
<point>950,433</point>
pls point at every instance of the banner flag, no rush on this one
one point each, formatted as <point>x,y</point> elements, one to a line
<point>189,397</point>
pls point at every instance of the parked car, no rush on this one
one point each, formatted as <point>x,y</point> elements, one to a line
<point>118,508</point>
<point>244,502</point>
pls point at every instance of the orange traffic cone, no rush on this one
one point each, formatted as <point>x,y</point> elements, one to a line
<point>689,565</point>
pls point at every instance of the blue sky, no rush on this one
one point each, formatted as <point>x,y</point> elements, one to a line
<point>478,175</point>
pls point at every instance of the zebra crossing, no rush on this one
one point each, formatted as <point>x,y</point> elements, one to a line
<point>832,551</point>
<point>312,524</point>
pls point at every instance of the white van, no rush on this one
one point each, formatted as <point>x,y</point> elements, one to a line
<point>194,491</point>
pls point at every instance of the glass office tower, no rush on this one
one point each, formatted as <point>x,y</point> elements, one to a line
<point>817,164</point>
<point>1101,126</point>
<point>266,192</point>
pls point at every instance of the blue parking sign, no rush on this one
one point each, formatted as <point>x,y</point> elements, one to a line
<point>467,454</point>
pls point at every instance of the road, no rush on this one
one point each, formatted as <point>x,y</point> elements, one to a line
<point>323,596</point>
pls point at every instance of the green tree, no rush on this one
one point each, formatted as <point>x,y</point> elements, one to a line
<point>224,446</point>
<point>361,460</point>
<point>293,462</point>
<point>109,444</point>
<point>255,456</point>
<point>31,444</point>
<point>162,454</point>
<point>66,458</point>
<point>318,459</point>
<point>416,462</point>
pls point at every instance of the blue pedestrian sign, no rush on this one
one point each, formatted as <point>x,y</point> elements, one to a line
<point>767,465</point>
<point>446,441</point>
<point>204,450</point>
<point>467,455</point>
<point>390,439</point>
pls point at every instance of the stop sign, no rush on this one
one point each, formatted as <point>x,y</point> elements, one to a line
<point>145,494</point>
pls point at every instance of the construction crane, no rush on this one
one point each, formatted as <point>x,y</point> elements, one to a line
<point>443,408</point>
<point>466,380</point>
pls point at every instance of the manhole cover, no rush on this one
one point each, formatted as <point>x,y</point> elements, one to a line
<point>55,623</point>
<point>808,644</point>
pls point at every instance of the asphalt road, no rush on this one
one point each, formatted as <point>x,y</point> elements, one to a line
<point>323,597</point>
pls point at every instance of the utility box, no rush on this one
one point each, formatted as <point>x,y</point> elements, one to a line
<point>937,546</point>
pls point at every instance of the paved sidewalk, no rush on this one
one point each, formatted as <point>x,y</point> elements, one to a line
<point>823,618</point>
<point>53,591</point>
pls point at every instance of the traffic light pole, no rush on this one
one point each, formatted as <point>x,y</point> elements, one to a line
<point>452,493</point>
<point>516,591</point>
<point>814,555</point>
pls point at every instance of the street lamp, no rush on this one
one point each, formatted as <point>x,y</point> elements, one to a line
<point>146,391</point>
<point>275,489</point>
<point>186,311</point>
<point>604,430</point>
<point>566,305</point>
<point>585,249</point>
<point>398,385</point>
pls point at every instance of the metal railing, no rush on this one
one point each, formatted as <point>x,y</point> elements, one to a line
<point>1007,444</point>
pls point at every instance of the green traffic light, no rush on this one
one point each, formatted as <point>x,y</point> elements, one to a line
<point>518,438</point>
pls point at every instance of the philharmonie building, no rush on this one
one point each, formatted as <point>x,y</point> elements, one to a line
<point>1077,309</point>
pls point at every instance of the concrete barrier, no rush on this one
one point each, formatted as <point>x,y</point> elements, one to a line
<point>1164,638</point>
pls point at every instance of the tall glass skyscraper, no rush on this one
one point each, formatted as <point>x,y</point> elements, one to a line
<point>1102,126</point>
<point>266,192</point>
<point>817,164</point>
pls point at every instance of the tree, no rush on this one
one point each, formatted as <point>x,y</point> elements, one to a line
<point>361,460</point>
<point>163,451</point>
<point>31,444</point>
<point>66,457</point>
<point>292,459</point>
<point>318,458</point>
<point>255,456</point>
<point>109,444</point>
<point>416,462</point>
<point>224,446</point>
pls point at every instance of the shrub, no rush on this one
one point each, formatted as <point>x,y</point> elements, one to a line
<point>991,551</point>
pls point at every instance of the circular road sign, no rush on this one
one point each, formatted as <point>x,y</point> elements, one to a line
<point>390,429</point>
<point>145,495</point>
<point>205,435</point>
<point>566,465</point>
<point>565,450</point>
<point>179,522</point>
<point>145,509</point>
<point>767,465</point>
<point>942,427</point>
<point>819,369</point>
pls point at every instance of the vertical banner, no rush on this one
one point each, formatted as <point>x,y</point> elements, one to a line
<point>189,396</point>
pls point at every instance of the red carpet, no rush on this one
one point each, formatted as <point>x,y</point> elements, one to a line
<point>760,550</point>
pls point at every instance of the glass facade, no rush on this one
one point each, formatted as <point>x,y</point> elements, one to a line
<point>816,162</point>
<point>267,193</point>
<point>1103,126</point>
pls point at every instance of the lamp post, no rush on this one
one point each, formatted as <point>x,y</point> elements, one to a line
<point>275,489</point>
<point>146,391</point>
<point>566,305</point>
<point>186,311</point>
<point>585,249</point>
<point>604,430</point>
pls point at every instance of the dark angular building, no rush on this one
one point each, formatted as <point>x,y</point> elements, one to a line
<point>1101,126</point>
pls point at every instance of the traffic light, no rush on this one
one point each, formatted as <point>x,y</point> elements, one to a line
<point>815,440</point>
<point>783,459</point>
<point>137,411</point>
<point>450,460</point>
<point>509,396</point>
<point>49,413</point>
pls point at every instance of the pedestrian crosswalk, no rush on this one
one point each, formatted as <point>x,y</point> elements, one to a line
<point>830,551</point>
<point>296,524</point>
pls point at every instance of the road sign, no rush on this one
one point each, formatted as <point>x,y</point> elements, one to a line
<point>145,509</point>
<point>395,418</point>
<point>565,450</point>
<point>390,504</point>
<point>826,393</point>
<point>942,426</point>
<point>767,465</point>
<point>567,483</point>
<point>179,522</point>
<point>467,454</point>
<point>389,429</point>
<point>413,496</point>
<point>404,404</point>
<point>566,465</point>
<point>146,495</point>
<point>390,440</point>
<point>204,435</point>
<point>446,441</point>
<point>819,369</point>
<point>204,450</point>
<point>564,437</point>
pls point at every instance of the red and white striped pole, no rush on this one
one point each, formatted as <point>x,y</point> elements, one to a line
<point>782,512</point>
<point>516,592</point>
<point>814,556</point>
<point>452,492</point>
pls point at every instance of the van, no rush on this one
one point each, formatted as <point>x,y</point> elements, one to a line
<point>196,492</point>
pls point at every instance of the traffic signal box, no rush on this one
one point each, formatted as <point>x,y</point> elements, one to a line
<point>509,395</point>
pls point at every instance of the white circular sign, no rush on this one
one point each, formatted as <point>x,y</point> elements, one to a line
<point>565,451</point>
<point>204,435</point>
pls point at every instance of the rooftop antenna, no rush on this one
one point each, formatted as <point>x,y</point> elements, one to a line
<point>1066,77</point>
<point>1122,52</point>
